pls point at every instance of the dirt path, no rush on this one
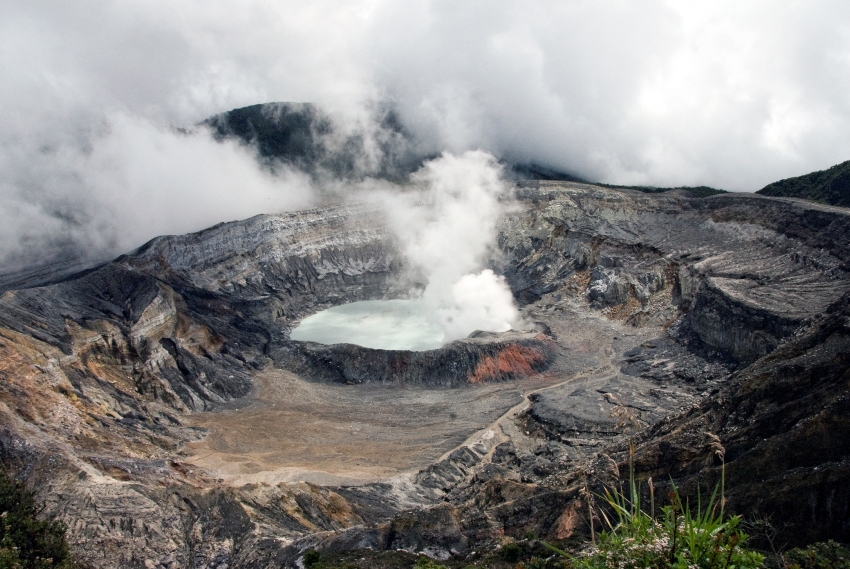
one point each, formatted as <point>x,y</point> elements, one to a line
<point>603,339</point>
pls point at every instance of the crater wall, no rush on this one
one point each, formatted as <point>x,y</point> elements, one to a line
<point>481,359</point>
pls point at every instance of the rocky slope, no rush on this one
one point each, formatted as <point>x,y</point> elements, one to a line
<point>683,315</point>
<point>306,137</point>
<point>484,357</point>
<point>752,351</point>
<point>783,422</point>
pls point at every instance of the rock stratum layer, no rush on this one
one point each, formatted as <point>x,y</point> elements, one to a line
<point>695,317</point>
<point>485,357</point>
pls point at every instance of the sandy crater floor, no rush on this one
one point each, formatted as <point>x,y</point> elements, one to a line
<point>293,429</point>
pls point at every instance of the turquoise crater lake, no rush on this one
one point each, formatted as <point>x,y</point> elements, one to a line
<point>378,324</point>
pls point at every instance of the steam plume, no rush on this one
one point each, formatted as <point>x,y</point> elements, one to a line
<point>447,227</point>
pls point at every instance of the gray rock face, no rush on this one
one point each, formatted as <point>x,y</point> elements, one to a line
<point>653,305</point>
<point>491,357</point>
<point>748,271</point>
<point>100,370</point>
<point>783,423</point>
<point>183,315</point>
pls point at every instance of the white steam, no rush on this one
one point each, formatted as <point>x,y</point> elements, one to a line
<point>447,228</point>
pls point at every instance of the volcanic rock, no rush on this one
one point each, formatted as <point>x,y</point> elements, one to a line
<point>478,359</point>
<point>661,317</point>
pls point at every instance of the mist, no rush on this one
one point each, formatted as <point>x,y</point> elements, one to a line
<point>127,184</point>
<point>446,224</point>
<point>733,95</point>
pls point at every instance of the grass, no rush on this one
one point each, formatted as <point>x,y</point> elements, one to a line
<point>681,537</point>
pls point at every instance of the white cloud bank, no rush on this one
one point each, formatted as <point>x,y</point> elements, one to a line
<point>135,181</point>
<point>728,94</point>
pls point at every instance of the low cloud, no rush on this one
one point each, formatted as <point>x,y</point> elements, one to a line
<point>128,183</point>
<point>659,92</point>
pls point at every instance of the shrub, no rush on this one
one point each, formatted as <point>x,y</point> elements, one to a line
<point>829,555</point>
<point>311,558</point>
<point>511,552</point>
<point>25,541</point>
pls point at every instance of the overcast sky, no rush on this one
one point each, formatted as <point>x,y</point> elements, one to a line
<point>730,94</point>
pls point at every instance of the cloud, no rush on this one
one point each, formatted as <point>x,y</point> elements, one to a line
<point>127,184</point>
<point>728,94</point>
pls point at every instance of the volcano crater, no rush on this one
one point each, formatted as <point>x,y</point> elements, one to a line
<point>162,391</point>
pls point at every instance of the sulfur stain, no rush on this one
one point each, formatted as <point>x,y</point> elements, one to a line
<point>511,361</point>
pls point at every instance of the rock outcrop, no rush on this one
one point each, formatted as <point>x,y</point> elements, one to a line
<point>783,422</point>
<point>748,271</point>
<point>483,358</point>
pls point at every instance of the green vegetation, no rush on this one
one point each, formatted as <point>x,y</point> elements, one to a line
<point>511,552</point>
<point>680,538</point>
<point>283,130</point>
<point>637,541</point>
<point>297,134</point>
<point>425,563</point>
<point>532,171</point>
<point>829,555</point>
<point>524,554</point>
<point>25,541</point>
<point>831,186</point>
<point>312,558</point>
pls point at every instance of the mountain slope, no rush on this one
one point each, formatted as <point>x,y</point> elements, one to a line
<point>306,137</point>
<point>830,186</point>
